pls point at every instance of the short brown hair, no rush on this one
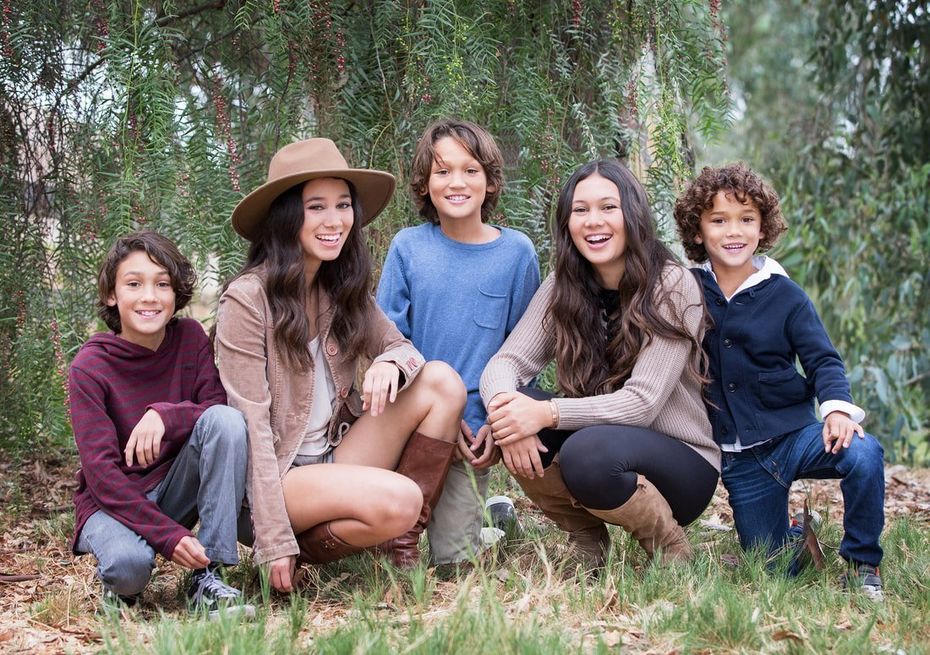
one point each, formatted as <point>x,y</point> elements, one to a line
<point>746,185</point>
<point>160,250</point>
<point>478,142</point>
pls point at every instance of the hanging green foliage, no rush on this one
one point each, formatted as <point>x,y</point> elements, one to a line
<point>118,114</point>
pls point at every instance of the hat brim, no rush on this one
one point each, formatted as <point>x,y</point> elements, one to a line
<point>373,190</point>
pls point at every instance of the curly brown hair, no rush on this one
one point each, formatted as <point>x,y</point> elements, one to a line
<point>160,250</point>
<point>747,185</point>
<point>478,142</point>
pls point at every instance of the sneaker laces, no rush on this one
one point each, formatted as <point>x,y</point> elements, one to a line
<point>211,588</point>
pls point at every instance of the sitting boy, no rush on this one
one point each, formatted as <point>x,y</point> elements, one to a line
<point>760,407</point>
<point>158,446</point>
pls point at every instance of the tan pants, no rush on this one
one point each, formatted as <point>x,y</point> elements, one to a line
<point>455,528</point>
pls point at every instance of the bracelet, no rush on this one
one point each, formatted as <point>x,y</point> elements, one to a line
<point>555,412</point>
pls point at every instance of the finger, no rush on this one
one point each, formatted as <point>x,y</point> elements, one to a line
<point>366,391</point>
<point>466,430</point>
<point>395,382</point>
<point>508,462</point>
<point>860,431</point>
<point>156,447</point>
<point>826,431</point>
<point>148,449</point>
<point>525,466</point>
<point>130,448</point>
<point>499,400</point>
<point>463,449</point>
<point>536,461</point>
<point>509,440</point>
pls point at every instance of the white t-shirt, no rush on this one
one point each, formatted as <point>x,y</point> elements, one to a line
<point>321,410</point>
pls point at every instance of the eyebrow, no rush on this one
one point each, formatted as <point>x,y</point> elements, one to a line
<point>601,199</point>
<point>344,195</point>
<point>140,273</point>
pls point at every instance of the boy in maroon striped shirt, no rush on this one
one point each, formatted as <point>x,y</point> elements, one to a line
<point>159,447</point>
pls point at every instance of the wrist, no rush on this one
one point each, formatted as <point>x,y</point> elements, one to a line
<point>554,413</point>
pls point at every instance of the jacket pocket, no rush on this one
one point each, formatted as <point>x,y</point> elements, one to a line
<point>489,309</point>
<point>783,388</point>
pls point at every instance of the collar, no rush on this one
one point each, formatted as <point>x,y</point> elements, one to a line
<point>765,267</point>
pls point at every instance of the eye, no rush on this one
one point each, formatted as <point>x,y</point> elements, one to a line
<point>749,219</point>
<point>315,207</point>
<point>344,205</point>
<point>472,171</point>
<point>441,171</point>
<point>579,210</point>
<point>164,284</point>
<point>609,207</point>
<point>716,220</point>
<point>133,284</point>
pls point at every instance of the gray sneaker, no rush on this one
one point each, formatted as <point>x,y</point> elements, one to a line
<point>208,593</point>
<point>867,578</point>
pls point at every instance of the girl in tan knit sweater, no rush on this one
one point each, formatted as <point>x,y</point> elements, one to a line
<point>629,442</point>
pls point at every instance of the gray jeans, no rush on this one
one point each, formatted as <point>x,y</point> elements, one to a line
<point>455,527</point>
<point>205,481</point>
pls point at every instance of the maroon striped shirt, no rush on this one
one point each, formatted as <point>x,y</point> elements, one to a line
<point>113,382</point>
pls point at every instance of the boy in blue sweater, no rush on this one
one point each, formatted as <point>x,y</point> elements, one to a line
<point>760,407</point>
<point>456,286</point>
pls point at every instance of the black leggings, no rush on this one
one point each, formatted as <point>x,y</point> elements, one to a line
<point>600,464</point>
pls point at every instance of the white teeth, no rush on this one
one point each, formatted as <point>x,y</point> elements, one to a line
<point>597,238</point>
<point>456,198</point>
<point>149,312</point>
<point>329,238</point>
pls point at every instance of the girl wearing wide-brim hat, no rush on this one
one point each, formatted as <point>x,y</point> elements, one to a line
<point>292,328</point>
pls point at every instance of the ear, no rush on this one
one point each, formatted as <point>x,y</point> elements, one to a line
<point>698,239</point>
<point>490,189</point>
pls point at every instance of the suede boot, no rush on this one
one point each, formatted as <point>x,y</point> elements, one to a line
<point>648,517</point>
<point>588,538</point>
<point>426,461</point>
<point>319,545</point>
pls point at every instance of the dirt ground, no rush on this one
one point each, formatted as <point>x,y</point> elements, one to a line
<point>49,598</point>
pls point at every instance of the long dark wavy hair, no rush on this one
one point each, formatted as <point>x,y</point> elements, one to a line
<point>346,280</point>
<point>587,364</point>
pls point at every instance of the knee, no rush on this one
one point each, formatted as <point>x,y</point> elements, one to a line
<point>127,571</point>
<point>226,425</point>
<point>866,457</point>
<point>399,506</point>
<point>443,382</point>
<point>575,458</point>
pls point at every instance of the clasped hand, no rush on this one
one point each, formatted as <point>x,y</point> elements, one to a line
<point>516,420</point>
<point>145,439</point>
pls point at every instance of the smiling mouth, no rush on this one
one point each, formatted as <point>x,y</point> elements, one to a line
<point>597,239</point>
<point>734,247</point>
<point>329,239</point>
<point>148,313</point>
<point>457,198</point>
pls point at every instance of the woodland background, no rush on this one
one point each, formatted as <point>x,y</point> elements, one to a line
<point>120,114</point>
<point>116,115</point>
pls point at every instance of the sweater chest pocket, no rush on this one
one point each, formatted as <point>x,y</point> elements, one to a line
<point>783,388</point>
<point>490,307</point>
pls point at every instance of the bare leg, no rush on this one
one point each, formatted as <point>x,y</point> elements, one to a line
<point>432,405</point>
<point>366,505</point>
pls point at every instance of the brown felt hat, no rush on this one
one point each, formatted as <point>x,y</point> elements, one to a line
<point>308,160</point>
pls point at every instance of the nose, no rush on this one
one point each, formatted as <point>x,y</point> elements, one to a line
<point>148,292</point>
<point>457,179</point>
<point>332,218</point>
<point>593,218</point>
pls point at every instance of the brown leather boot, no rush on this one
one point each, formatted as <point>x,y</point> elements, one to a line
<point>588,538</point>
<point>648,517</point>
<point>319,545</point>
<point>426,461</point>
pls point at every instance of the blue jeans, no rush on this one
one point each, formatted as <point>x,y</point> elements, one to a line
<point>205,481</point>
<point>758,480</point>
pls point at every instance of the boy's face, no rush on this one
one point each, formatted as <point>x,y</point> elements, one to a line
<point>144,297</point>
<point>457,182</point>
<point>730,232</point>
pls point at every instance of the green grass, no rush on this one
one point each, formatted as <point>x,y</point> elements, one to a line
<point>524,604</point>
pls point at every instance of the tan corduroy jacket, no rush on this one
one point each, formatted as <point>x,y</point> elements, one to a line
<point>276,400</point>
<point>660,394</point>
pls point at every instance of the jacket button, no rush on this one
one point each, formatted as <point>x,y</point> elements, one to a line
<point>331,349</point>
<point>732,386</point>
<point>721,302</point>
<point>343,392</point>
<point>727,343</point>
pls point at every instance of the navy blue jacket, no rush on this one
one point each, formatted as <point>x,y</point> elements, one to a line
<point>756,391</point>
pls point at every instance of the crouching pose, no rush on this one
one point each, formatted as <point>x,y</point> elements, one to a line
<point>340,470</point>
<point>159,448</point>
<point>629,442</point>
<point>761,407</point>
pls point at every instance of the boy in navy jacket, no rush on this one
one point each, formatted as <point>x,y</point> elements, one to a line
<point>761,408</point>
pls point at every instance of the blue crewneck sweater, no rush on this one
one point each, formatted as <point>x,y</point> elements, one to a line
<point>457,302</point>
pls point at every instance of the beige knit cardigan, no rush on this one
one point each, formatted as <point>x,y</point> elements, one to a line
<point>660,394</point>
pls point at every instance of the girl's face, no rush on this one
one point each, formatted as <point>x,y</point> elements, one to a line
<point>596,228</point>
<point>730,232</point>
<point>328,218</point>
